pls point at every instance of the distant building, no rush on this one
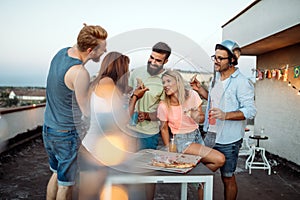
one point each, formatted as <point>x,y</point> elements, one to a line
<point>28,94</point>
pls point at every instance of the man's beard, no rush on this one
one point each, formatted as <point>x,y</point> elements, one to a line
<point>154,71</point>
<point>96,59</point>
<point>223,69</point>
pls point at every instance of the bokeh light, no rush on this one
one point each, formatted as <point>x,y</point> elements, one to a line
<point>111,149</point>
<point>117,192</point>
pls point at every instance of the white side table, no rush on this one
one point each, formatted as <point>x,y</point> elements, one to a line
<point>264,164</point>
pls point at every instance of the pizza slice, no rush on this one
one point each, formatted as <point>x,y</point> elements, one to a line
<point>140,83</point>
<point>172,164</point>
<point>193,78</point>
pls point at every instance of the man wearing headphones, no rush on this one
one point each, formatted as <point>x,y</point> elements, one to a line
<point>230,103</point>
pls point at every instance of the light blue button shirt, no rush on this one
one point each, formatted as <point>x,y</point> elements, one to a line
<point>238,94</point>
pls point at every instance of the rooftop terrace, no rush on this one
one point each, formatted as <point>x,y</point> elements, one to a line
<point>24,174</point>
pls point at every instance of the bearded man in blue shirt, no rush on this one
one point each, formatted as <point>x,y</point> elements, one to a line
<point>230,104</point>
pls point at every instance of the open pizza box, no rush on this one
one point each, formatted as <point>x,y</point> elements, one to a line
<point>146,158</point>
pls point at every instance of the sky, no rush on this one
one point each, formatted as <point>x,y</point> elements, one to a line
<point>32,31</point>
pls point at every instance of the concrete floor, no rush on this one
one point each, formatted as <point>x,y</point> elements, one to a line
<point>24,174</point>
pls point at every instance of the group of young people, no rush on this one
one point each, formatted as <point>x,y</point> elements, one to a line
<point>80,113</point>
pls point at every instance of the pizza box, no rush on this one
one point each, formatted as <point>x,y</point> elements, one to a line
<point>144,159</point>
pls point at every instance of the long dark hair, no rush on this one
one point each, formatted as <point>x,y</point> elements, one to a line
<point>115,66</point>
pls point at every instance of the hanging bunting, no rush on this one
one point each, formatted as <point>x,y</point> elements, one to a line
<point>257,71</point>
<point>273,72</point>
<point>260,75</point>
<point>279,74</point>
<point>296,71</point>
<point>268,74</point>
<point>285,73</point>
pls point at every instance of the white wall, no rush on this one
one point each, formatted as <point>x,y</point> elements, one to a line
<point>265,18</point>
<point>14,123</point>
<point>278,105</point>
<point>278,111</point>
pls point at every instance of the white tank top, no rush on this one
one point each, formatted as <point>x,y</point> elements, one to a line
<point>103,119</point>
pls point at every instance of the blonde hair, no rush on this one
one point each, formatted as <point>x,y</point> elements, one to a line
<point>183,93</point>
<point>89,37</point>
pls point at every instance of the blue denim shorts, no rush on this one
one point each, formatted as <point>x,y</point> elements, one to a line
<point>231,153</point>
<point>62,149</point>
<point>183,141</point>
<point>210,139</point>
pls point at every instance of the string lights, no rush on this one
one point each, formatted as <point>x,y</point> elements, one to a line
<point>280,74</point>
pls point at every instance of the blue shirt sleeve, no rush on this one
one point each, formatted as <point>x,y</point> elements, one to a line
<point>245,96</point>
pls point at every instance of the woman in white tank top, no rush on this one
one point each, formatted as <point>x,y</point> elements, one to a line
<point>105,144</point>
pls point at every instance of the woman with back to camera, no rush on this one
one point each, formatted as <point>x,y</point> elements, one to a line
<point>181,111</point>
<point>108,116</point>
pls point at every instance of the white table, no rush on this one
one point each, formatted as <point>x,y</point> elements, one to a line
<point>199,174</point>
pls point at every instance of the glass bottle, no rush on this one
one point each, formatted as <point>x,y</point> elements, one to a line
<point>134,119</point>
<point>262,132</point>
<point>211,120</point>
<point>172,145</point>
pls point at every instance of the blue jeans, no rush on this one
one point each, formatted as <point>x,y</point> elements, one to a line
<point>231,153</point>
<point>62,149</point>
<point>183,141</point>
<point>146,141</point>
